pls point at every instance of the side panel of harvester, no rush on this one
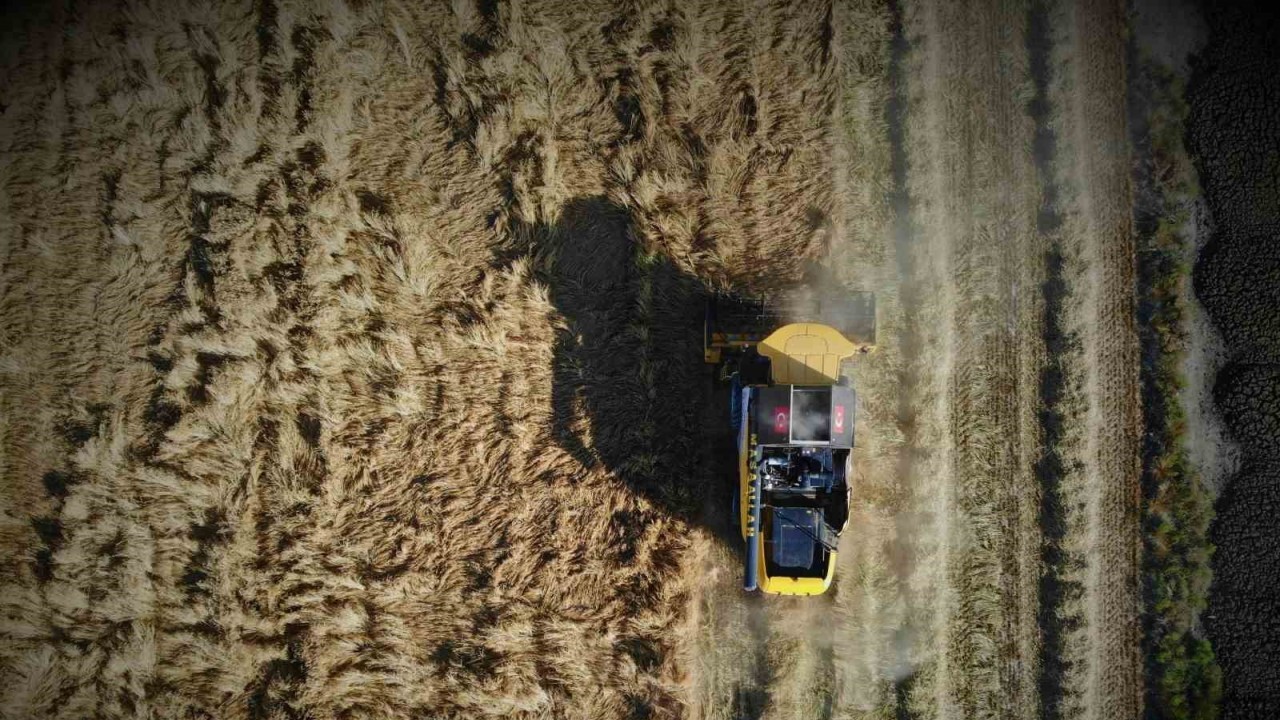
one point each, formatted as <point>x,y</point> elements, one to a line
<point>749,471</point>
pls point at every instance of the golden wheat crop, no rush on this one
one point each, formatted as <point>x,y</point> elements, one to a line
<point>348,349</point>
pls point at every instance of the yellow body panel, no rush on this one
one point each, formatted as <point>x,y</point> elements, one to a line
<point>806,354</point>
<point>796,586</point>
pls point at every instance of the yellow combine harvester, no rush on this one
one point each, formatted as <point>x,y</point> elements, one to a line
<point>793,411</point>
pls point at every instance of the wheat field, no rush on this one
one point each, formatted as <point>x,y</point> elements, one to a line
<point>347,347</point>
<point>350,357</point>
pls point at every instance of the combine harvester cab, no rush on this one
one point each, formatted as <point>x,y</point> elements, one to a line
<point>794,414</point>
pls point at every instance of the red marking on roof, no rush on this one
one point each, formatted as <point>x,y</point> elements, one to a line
<point>781,419</point>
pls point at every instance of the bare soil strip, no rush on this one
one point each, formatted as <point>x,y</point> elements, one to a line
<point>1101,663</point>
<point>872,643</point>
<point>978,262</point>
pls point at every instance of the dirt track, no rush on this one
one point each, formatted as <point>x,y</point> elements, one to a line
<point>351,358</point>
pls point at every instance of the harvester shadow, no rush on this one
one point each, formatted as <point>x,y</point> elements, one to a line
<point>631,395</point>
<point>630,392</point>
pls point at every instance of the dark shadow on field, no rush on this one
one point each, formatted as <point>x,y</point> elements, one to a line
<point>902,689</point>
<point>630,392</point>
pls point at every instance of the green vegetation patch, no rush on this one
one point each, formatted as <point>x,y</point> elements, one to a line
<point>1184,680</point>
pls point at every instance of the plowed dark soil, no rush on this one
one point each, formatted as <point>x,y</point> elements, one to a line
<point>1234,134</point>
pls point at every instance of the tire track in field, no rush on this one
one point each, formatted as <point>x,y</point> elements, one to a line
<point>1101,404</point>
<point>1055,590</point>
<point>909,638</point>
<point>927,335</point>
<point>974,254</point>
